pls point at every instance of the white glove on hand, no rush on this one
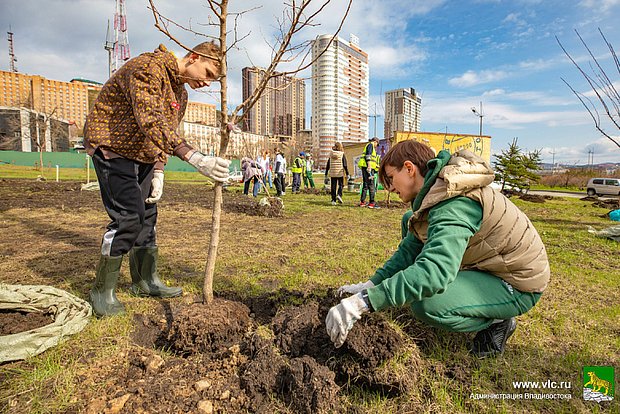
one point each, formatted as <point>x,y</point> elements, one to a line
<point>340,318</point>
<point>353,289</point>
<point>157,187</point>
<point>215,168</point>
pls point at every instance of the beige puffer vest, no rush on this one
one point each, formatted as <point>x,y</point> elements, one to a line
<point>336,168</point>
<point>507,244</point>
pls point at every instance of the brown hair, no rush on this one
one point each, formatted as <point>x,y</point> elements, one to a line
<point>338,146</point>
<point>416,152</point>
<point>207,50</point>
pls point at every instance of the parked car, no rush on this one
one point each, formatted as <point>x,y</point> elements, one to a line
<point>603,186</point>
<point>235,177</point>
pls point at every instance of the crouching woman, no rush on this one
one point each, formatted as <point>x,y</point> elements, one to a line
<point>469,260</point>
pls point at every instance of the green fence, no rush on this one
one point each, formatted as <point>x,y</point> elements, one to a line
<point>78,160</point>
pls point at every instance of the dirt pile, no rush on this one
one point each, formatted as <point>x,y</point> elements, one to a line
<point>265,355</point>
<point>533,198</point>
<point>12,322</point>
<point>265,207</point>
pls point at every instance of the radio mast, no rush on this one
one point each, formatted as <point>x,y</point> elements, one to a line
<point>12,57</point>
<point>121,40</point>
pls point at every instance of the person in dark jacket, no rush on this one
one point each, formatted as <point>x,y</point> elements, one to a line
<point>130,133</point>
<point>469,260</point>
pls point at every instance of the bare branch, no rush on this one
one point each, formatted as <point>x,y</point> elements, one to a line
<point>270,72</point>
<point>602,87</point>
<point>162,27</point>
<point>592,111</point>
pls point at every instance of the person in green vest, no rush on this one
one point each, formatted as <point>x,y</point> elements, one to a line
<point>368,165</point>
<point>297,169</point>
<point>469,259</point>
<point>307,172</point>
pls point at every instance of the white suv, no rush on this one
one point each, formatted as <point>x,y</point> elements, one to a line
<point>602,186</point>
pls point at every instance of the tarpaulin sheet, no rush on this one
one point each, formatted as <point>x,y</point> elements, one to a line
<point>69,313</point>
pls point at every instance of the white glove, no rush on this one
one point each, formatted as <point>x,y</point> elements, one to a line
<point>353,289</point>
<point>215,168</point>
<point>157,187</point>
<point>340,318</point>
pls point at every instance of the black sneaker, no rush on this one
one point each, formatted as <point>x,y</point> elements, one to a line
<point>492,340</point>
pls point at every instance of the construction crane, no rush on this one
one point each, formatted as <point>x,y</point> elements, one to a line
<point>12,57</point>
<point>375,116</point>
<point>118,50</point>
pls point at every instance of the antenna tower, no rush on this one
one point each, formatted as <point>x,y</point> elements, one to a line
<point>109,46</point>
<point>121,40</point>
<point>12,57</point>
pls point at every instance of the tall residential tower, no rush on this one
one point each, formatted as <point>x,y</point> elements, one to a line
<point>402,111</point>
<point>340,81</point>
<point>280,111</point>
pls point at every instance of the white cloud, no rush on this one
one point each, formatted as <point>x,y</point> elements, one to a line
<point>514,18</point>
<point>604,151</point>
<point>472,78</point>
<point>538,98</point>
<point>599,5</point>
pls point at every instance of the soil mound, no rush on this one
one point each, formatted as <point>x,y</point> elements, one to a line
<point>12,322</point>
<point>269,354</point>
<point>208,329</point>
<point>265,207</point>
<point>533,198</point>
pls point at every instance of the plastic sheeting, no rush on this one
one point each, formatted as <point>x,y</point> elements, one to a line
<point>70,315</point>
<point>612,232</point>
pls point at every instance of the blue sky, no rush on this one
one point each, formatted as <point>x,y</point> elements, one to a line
<point>455,54</point>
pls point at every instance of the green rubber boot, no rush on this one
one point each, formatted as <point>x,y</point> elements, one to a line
<point>144,278</point>
<point>102,296</point>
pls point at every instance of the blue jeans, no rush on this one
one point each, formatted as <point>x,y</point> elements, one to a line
<point>246,186</point>
<point>267,179</point>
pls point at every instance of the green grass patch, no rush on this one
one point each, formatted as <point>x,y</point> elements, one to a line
<point>316,246</point>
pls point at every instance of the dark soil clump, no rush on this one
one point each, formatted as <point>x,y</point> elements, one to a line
<point>314,191</point>
<point>12,322</point>
<point>610,204</point>
<point>271,354</point>
<point>210,329</point>
<point>265,207</point>
<point>533,198</point>
<point>308,387</point>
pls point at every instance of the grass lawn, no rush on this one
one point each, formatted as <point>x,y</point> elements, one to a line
<point>50,234</point>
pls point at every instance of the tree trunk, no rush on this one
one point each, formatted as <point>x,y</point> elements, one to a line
<point>207,289</point>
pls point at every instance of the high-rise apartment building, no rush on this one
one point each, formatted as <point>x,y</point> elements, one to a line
<point>58,99</point>
<point>402,111</point>
<point>280,111</point>
<point>340,88</point>
<point>202,113</point>
<point>72,101</point>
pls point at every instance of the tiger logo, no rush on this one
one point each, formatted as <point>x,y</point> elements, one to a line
<point>597,383</point>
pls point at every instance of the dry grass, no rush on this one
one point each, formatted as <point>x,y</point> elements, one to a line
<point>50,235</point>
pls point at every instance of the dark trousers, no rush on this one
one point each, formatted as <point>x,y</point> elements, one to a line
<point>296,182</point>
<point>337,184</point>
<point>280,184</point>
<point>124,185</point>
<point>256,187</point>
<point>368,185</point>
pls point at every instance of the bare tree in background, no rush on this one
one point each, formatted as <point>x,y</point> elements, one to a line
<point>605,107</point>
<point>296,16</point>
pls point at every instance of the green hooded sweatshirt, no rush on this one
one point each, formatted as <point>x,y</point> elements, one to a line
<point>417,270</point>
